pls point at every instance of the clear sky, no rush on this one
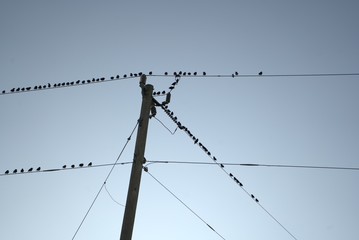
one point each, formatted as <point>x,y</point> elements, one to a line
<point>266,120</point>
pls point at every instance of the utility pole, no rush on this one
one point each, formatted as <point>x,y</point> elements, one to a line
<point>138,160</point>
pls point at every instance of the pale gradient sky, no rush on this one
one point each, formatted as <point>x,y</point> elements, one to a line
<point>279,120</point>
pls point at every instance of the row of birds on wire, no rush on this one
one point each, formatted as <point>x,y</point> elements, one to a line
<point>22,170</point>
<point>102,79</point>
<point>205,149</point>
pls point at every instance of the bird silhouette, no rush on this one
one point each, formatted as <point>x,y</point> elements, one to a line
<point>48,85</point>
<point>196,141</point>
<point>88,81</point>
<point>3,92</point>
<point>117,76</point>
<point>64,166</point>
<point>230,174</point>
<point>12,90</point>
<point>131,75</point>
<point>163,92</point>
<point>150,73</point>
<point>125,76</point>
<point>102,79</point>
<point>112,78</point>
<point>7,172</point>
<point>195,73</point>
<point>83,82</point>
<point>78,81</point>
<point>22,170</point>
<point>252,196</point>
<point>15,171</point>
<point>260,73</point>
<point>90,164</point>
<point>232,75</point>
<point>166,73</point>
<point>23,89</point>
<point>204,74</point>
<point>72,166</point>
<point>236,73</point>
<point>214,158</point>
<point>30,170</point>
<point>222,166</point>
<point>18,89</point>
<point>81,165</point>
<point>28,88</point>
<point>174,73</point>
<point>38,169</point>
<point>180,73</point>
<point>257,200</point>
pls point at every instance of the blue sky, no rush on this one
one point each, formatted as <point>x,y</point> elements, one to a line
<point>267,120</point>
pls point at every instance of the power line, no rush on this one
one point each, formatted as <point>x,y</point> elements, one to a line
<point>104,183</point>
<point>184,204</point>
<point>214,159</point>
<point>177,75</point>
<point>113,199</point>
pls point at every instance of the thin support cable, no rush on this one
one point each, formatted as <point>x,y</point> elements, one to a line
<point>166,126</point>
<point>113,199</point>
<point>102,186</point>
<point>184,204</point>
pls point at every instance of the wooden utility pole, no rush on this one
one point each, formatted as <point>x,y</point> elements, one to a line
<point>138,160</point>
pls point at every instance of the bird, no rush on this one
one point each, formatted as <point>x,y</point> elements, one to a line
<point>28,88</point>
<point>163,92</point>
<point>230,174</point>
<point>48,85</point>
<point>81,165</point>
<point>22,170</point>
<point>204,73</point>
<point>102,79</point>
<point>232,75</point>
<point>222,166</point>
<point>90,164</point>
<point>72,166</point>
<point>78,81</point>
<point>38,169</point>
<point>18,89</point>
<point>117,76</point>
<point>23,89</point>
<point>125,76</point>
<point>195,73</point>
<point>7,172</point>
<point>30,170</point>
<point>64,166</point>
<point>196,141</point>
<point>3,92</point>
<point>174,73</point>
<point>252,196</point>
<point>131,75</point>
<point>166,73</point>
<point>257,200</point>
<point>214,158</point>
<point>12,90</point>
<point>189,74</point>
<point>260,73</point>
<point>150,73</point>
<point>180,73</point>
<point>15,171</point>
<point>112,78</point>
<point>83,82</point>
<point>236,73</point>
<point>88,81</point>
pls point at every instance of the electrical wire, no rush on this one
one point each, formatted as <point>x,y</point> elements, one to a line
<point>184,204</point>
<point>104,183</point>
<point>193,163</point>
<point>214,159</point>
<point>165,126</point>
<point>49,86</point>
<point>113,199</point>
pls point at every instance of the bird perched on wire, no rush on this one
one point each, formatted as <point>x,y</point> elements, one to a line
<point>22,170</point>
<point>72,166</point>
<point>90,164</point>
<point>15,171</point>
<point>30,170</point>
<point>64,166</point>
<point>81,165</point>
<point>38,169</point>
<point>7,172</point>
<point>260,73</point>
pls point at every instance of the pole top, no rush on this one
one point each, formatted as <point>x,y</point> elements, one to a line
<point>143,79</point>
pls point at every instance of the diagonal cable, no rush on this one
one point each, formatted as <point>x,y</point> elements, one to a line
<point>102,186</point>
<point>184,204</point>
